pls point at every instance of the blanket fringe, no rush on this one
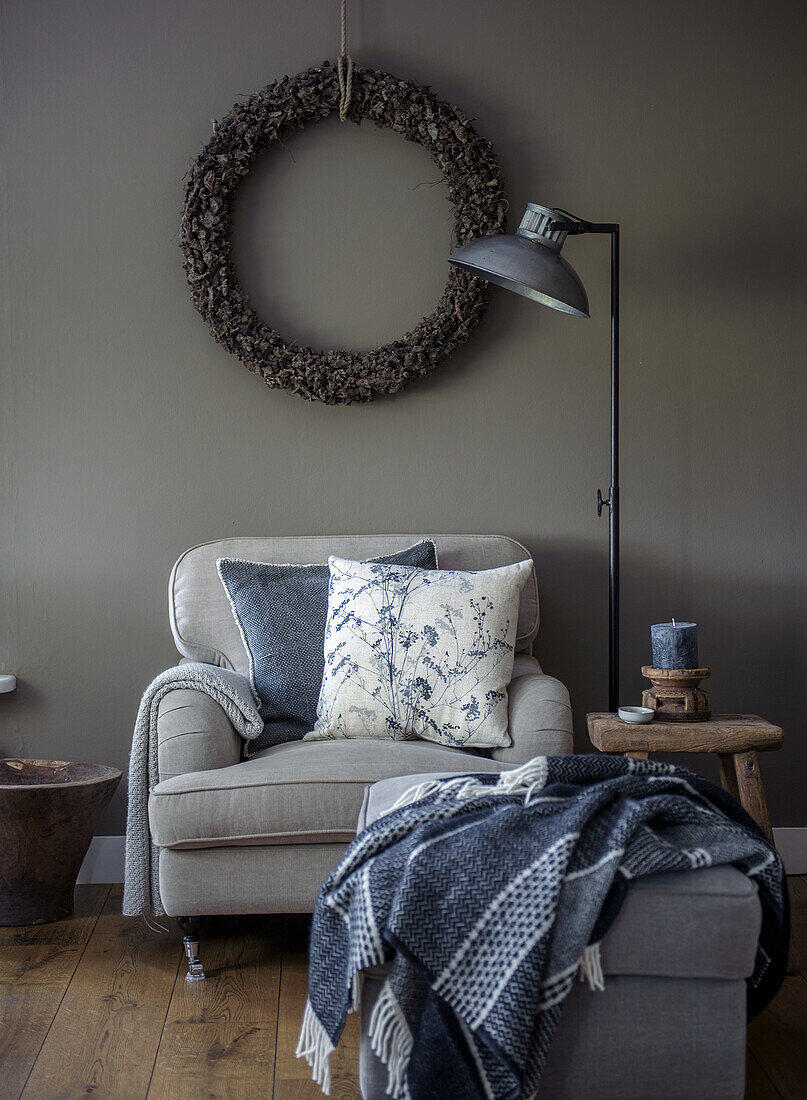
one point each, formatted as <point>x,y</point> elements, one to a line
<point>591,968</point>
<point>316,1047</point>
<point>526,779</point>
<point>391,1040</point>
<point>414,794</point>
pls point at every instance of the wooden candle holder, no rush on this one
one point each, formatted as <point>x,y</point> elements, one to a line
<point>675,695</point>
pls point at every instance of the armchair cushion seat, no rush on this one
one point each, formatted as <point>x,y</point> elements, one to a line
<point>297,793</point>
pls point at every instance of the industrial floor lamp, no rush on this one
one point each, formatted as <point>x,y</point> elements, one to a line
<point>530,264</point>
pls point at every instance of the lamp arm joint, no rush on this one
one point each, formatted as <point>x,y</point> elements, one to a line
<point>573,225</point>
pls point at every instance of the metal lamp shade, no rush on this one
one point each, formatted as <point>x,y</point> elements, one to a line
<point>528,263</point>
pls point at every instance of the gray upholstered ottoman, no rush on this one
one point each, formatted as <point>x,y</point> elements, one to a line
<point>671,1021</point>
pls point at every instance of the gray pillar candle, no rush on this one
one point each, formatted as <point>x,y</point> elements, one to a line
<point>675,645</point>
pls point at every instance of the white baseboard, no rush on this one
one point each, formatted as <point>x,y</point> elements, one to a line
<point>104,860</point>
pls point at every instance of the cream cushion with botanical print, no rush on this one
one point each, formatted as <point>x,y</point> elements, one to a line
<point>419,653</point>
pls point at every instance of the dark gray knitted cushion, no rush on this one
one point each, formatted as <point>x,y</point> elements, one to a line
<point>281,612</point>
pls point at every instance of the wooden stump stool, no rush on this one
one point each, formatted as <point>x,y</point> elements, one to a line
<point>48,812</point>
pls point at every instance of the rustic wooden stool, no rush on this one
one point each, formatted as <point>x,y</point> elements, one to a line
<point>736,738</point>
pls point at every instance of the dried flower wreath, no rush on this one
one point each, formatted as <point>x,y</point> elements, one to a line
<point>475,190</point>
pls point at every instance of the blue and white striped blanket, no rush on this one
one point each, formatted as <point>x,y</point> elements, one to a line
<point>489,894</point>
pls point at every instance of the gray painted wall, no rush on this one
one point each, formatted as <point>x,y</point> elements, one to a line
<point>128,435</point>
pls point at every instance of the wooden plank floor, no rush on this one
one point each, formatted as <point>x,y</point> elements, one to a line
<point>98,1005</point>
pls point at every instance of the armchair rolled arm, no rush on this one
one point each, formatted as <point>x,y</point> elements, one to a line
<point>194,734</point>
<point>540,715</point>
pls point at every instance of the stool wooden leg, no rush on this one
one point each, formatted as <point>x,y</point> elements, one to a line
<point>752,793</point>
<point>728,776</point>
<point>752,799</point>
<point>637,755</point>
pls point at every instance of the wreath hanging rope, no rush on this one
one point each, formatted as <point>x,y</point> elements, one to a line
<point>475,190</point>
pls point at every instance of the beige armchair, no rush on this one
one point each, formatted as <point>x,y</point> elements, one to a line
<point>260,835</point>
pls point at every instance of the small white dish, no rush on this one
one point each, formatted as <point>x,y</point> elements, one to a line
<point>636,716</point>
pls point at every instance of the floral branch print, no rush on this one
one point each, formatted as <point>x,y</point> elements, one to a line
<point>415,678</point>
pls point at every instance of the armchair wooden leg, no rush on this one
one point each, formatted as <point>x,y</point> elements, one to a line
<point>192,928</point>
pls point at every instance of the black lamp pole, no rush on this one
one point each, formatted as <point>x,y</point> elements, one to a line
<point>612,502</point>
<point>530,264</point>
<point>613,494</point>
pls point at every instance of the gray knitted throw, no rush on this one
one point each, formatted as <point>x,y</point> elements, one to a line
<point>488,895</point>
<point>232,691</point>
